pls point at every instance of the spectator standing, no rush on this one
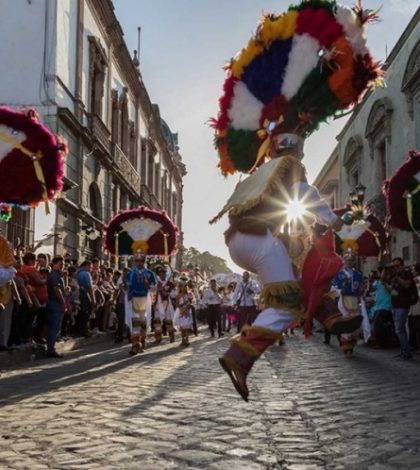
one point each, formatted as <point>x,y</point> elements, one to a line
<point>212,300</point>
<point>414,315</point>
<point>244,300</point>
<point>7,273</point>
<point>404,295</point>
<point>36,284</point>
<point>382,310</point>
<point>87,298</point>
<point>56,306</point>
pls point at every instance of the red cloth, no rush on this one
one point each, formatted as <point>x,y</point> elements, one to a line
<point>321,265</point>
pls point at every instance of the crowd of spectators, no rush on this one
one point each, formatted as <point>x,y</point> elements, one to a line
<point>55,299</point>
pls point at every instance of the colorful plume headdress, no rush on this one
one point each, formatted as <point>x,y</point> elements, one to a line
<point>402,194</point>
<point>31,160</point>
<point>142,230</point>
<point>299,69</point>
<point>365,236</point>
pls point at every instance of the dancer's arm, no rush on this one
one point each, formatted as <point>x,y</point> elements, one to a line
<point>316,205</point>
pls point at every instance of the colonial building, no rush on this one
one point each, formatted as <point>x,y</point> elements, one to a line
<point>376,139</point>
<point>71,63</point>
<point>327,180</point>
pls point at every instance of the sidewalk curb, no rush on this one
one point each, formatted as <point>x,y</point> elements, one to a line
<point>16,358</point>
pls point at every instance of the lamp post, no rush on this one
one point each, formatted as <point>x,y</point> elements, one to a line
<point>360,191</point>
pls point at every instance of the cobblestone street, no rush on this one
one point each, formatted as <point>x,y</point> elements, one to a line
<point>310,409</point>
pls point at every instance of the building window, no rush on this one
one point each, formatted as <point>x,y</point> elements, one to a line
<point>378,127</point>
<point>157,181</point>
<point>143,159</point>
<point>411,84</point>
<point>123,201</point>
<point>406,253</point>
<point>115,119</point>
<point>174,208</point>
<point>352,161</point>
<point>124,122</point>
<point>95,201</point>
<point>114,199</point>
<point>151,169</point>
<point>354,178</point>
<point>98,63</point>
<point>382,161</point>
<point>132,135</point>
<point>108,196</point>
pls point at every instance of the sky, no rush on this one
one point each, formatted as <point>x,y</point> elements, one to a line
<point>184,45</point>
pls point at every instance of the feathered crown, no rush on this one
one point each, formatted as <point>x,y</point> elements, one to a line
<point>141,231</point>
<point>299,69</point>
<point>31,160</point>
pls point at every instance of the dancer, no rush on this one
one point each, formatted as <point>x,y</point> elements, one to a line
<point>348,286</point>
<point>140,281</point>
<point>299,69</point>
<point>164,309</point>
<point>183,315</point>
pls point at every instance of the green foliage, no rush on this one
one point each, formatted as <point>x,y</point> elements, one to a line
<point>206,261</point>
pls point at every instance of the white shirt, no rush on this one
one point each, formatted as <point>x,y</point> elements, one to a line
<point>321,211</point>
<point>242,294</point>
<point>211,297</point>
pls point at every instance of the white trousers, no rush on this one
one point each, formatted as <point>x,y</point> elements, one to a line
<point>266,256</point>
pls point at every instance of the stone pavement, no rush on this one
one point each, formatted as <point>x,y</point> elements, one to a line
<point>173,408</point>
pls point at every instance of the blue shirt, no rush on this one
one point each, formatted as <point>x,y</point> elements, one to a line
<point>54,279</point>
<point>84,279</point>
<point>382,297</point>
<point>349,282</point>
<point>139,281</point>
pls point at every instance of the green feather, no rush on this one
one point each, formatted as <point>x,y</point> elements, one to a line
<point>242,148</point>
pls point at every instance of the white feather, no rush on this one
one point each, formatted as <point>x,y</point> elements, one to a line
<point>246,109</point>
<point>15,135</point>
<point>354,231</point>
<point>302,59</point>
<point>353,31</point>
<point>141,229</point>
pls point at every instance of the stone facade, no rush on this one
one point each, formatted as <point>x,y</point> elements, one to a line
<point>327,180</point>
<point>121,152</point>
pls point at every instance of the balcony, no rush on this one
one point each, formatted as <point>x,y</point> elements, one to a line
<point>125,168</point>
<point>100,132</point>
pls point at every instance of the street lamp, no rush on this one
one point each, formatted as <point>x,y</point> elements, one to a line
<point>353,196</point>
<point>360,191</point>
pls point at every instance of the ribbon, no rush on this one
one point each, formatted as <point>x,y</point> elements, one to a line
<point>409,197</point>
<point>35,159</point>
<point>265,133</point>
<point>165,244</point>
<point>117,248</point>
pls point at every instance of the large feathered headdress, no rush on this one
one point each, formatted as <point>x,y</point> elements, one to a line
<point>31,159</point>
<point>402,193</point>
<point>142,230</point>
<point>299,69</point>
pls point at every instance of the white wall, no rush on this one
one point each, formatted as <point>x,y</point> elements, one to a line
<point>66,51</point>
<point>22,45</point>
